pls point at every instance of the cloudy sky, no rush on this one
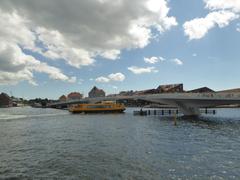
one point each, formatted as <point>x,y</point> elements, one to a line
<point>49,48</point>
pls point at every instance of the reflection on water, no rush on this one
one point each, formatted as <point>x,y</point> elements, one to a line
<point>48,143</point>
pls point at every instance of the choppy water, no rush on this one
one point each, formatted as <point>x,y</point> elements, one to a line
<point>53,144</point>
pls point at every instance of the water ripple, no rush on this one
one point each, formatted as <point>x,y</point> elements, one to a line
<point>53,144</point>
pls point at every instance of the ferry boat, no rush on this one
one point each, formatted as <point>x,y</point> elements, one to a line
<point>103,107</point>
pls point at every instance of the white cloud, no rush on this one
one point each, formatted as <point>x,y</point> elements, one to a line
<point>199,27</point>
<point>111,54</point>
<point>102,79</point>
<point>238,27</point>
<point>80,81</point>
<point>153,60</point>
<point>222,12</point>
<point>16,30</point>
<point>16,66</point>
<point>56,46</point>
<point>141,70</point>
<point>111,78</point>
<point>116,77</point>
<point>79,31</point>
<point>233,5</point>
<point>177,61</point>
<point>161,58</point>
<point>194,55</point>
<point>91,28</point>
<point>53,72</point>
<point>160,7</point>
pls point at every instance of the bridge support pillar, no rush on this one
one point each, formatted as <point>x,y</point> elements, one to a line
<point>188,109</point>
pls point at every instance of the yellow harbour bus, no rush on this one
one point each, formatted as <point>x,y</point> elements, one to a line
<point>103,107</point>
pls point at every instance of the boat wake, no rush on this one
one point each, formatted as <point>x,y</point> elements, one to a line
<point>47,115</point>
<point>8,116</point>
<point>22,116</point>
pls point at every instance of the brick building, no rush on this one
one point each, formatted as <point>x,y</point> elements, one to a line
<point>95,92</point>
<point>74,96</point>
<point>63,98</point>
<point>170,88</point>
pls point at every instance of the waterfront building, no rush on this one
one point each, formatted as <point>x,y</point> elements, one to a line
<point>95,92</point>
<point>148,91</point>
<point>112,95</point>
<point>74,96</point>
<point>62,98</point>
<point>17,102</point>
<point>170,88</point>
<point>236,90</point>
<point>5,100</point>
<point>202,90</point>
<point>126,93</point>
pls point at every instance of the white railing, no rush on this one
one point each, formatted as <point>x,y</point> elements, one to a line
<point>218,96</point>
<point>222,96</point>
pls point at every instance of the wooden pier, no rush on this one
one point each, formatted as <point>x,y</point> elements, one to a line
<point>168,112</point>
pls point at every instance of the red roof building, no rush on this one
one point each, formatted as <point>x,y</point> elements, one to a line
<point>171,88</point>
<point>63,98</point>
<point>74,96</point>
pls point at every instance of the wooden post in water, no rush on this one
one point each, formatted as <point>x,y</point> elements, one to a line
<point>175,119</point>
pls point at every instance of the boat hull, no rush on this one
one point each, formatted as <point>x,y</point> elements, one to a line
<point>106,107</point>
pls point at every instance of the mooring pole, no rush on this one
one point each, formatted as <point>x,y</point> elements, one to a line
<point>155,112</point>
<point>175,119</point>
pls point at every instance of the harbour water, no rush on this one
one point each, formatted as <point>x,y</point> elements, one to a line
<point>54,144</point>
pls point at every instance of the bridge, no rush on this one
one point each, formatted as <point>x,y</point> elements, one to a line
<point>188,103</point>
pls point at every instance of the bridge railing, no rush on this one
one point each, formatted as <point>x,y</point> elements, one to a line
<point>203,95</point>
<point>166,96</point>
<point>216,95</point>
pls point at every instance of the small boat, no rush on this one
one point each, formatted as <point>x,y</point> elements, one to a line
<point>103,107</point>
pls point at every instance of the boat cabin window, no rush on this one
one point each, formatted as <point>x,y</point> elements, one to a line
<point>98,106</point>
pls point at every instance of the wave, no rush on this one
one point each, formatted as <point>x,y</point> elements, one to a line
<point>21,116</point>
<point>47,115</point>
<point>9,116</point>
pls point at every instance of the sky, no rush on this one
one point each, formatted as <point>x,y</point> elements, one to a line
<point>51,48</point>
